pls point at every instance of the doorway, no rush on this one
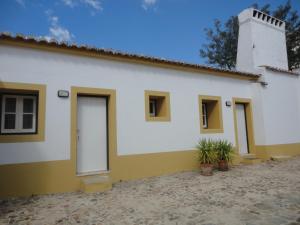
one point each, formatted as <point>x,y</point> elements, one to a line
<point>92,150</point>
<point>242,129</point>
<point>243,122</point>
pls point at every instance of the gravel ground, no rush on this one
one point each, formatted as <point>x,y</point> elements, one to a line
<point>267,193</point>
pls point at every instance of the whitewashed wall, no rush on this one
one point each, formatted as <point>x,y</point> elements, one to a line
<point>134,134</point>
<point>260,43</point>
<point>276,109</point>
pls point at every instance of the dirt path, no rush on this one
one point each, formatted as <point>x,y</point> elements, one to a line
<point>267,193</point>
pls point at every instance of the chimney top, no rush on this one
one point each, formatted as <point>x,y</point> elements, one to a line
<point>259,16</point>
<point>261,41</point>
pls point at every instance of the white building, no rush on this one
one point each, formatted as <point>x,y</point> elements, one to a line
<point>69,113</point>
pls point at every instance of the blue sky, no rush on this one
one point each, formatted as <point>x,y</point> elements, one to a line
<point>172,29</point>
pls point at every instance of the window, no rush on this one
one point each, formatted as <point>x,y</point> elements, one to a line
<point>210,114</point>
<point>157,106</point>
<point>22,112</point>
<point>18,114</point>
<point>204,115</point>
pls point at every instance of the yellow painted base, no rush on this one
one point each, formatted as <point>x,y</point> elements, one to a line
<point>267,151</point>
<point>60,176</point>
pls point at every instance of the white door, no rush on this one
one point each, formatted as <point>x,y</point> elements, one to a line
<point>242,128</point>
<point>91,135</point>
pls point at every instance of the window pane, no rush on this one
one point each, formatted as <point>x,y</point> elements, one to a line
<point>10,121</point>
<point>10,104</point>
<point>27,121</point>
<point>28,105</point>
<point>152,107</point>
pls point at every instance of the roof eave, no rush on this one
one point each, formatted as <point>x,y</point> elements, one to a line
<point>62,47</point>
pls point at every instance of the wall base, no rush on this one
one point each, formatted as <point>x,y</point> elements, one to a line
<point>268,151</point>
<point>59,176</point>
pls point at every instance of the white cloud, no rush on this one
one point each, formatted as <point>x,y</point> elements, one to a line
<point>148,4</point>
<point>21,2</point>
<point>93,4</point>
<point>60,33</point>
<point>70,3</point>
<point>57,31</point>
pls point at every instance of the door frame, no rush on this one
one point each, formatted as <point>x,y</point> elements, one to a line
<point>247,102</point>
<point>110,96</point>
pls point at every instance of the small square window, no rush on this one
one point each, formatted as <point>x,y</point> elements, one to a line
<point>18,113</point>
<point>157,106</point>
<point>210,114</point>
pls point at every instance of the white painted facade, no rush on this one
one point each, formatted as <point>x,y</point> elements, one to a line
<point>276,112</point>
<point>276,107</point>
<point>135,135</point>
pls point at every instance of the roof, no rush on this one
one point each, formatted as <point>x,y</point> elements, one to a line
<point>276,69</point>
<point>54,45</point>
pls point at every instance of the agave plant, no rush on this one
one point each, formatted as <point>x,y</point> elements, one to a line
<point>206,150</point>
<point>224,150</point>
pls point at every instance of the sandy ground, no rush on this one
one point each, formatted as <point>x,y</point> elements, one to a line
<point>267,193</point>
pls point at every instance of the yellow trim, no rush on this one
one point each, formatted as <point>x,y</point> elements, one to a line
<point>25,87</point>
<point>267,151</point>
<point>59,176</point>
<point>249,122</point>
<point>126,59</point>
<point>165,106</point>
<point>216,118</point>
<point>112,135</point>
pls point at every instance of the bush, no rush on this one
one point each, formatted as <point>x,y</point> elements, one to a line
<point>224,150</point>
<point>206,151</point>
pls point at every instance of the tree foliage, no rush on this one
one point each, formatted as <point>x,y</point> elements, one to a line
<point>221,49</point>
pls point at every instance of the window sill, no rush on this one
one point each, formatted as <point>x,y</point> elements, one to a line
<point>158,119</point>
<point>211,131</point>
<point>4,138</point>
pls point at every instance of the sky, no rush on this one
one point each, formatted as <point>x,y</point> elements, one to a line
<point>171,29</point>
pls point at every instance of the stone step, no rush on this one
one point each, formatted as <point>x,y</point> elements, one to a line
<point>249,156</point>
<point>280,157</point>
<point>96,183</point>
<point>250,159</point>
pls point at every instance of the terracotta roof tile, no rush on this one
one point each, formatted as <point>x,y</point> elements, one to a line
<point>276,69</point>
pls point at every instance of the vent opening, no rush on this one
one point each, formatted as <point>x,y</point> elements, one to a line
<point>267,18</point>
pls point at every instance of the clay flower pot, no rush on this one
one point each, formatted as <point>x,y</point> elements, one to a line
<point>223,165</point>
<point>207,169</point>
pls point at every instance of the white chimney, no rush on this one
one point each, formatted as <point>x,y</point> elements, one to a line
<point>261,41</point>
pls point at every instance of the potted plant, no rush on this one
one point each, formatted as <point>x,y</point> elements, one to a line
<point>225,153</point>
<point>207,156</point>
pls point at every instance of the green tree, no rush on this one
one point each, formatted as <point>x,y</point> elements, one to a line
<point>221,49</point>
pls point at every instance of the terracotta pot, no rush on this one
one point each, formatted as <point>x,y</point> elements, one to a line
<point>223,165</point>
<point>207,169</point>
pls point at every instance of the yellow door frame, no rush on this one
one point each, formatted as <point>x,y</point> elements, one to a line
<point>110,94</point>
<point>249,122</point>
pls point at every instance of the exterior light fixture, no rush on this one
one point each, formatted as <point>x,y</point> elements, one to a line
<point>63,93</point>
<point>228,103</point>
